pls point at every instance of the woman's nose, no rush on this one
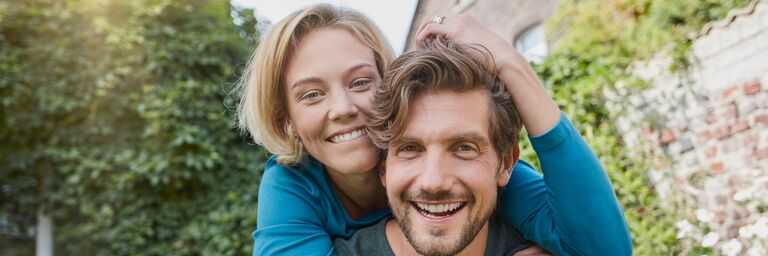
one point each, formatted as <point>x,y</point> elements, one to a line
<point>343,106</point>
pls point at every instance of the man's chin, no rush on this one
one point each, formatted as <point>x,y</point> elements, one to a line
<point>444,237</point>
<point>426,244</point>
<point>431,240</point>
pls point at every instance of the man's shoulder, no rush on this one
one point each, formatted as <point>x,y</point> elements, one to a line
<point>370,240</point>
<point>503,239</point>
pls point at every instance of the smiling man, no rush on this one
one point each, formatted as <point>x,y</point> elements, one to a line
<point>450,133</point>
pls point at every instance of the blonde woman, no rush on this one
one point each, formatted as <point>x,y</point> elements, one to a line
<point>305,95</point>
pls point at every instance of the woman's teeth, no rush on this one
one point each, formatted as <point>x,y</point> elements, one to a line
<point>348,136</point>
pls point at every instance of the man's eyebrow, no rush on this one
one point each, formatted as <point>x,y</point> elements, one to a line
<point>461,137</point>
<point>318,80</point>
<point>468,136</point>
<point>403,139</point>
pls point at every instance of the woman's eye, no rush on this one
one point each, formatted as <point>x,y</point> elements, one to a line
<point>360,83</point>
<point>311,95</point>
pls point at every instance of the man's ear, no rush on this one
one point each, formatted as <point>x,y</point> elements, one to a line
<point>507,164</point>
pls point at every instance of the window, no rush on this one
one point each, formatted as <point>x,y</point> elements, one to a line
<point>532,44</point>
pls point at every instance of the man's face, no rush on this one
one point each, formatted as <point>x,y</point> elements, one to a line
<point>442,175</point>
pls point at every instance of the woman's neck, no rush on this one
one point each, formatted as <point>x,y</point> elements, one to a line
<point>361,193</point>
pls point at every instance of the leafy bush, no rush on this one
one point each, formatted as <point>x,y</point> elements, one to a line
<point>114,119</point>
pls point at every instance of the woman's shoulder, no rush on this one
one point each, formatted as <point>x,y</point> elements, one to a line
<point>306,175</point>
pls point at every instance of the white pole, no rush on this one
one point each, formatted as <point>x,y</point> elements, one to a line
<point>44,241</point>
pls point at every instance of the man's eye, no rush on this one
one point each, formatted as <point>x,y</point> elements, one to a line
<point>466,151</point>
<point>408,151</point>
<point>408,148</point>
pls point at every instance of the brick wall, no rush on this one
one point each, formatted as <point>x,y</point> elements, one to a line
<point>713,117</point>
<point>705,130</point>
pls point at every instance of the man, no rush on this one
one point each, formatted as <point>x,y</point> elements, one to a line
<point>450,133</point>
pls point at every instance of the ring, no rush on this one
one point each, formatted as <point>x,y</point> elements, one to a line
<point>438,19</point>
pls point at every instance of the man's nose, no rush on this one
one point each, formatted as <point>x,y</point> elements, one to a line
<point>435,175</point>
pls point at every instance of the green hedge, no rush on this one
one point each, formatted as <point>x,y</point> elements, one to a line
<point>115,119</point>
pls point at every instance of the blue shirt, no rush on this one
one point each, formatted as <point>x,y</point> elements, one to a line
<point>570,210</point>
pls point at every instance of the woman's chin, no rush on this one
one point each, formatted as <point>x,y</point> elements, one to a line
<point>355,163</point>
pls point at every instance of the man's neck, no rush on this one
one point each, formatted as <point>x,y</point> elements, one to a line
<point>401,247</point>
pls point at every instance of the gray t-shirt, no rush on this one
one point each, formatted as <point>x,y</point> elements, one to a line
<point>502,240</point>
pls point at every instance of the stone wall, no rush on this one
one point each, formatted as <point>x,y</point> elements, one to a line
<point>705,132</point>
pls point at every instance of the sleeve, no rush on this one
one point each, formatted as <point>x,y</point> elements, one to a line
<point>289,216</point>
<point>572,209</point>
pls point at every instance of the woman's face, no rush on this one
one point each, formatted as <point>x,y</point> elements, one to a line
<point>329,85</point>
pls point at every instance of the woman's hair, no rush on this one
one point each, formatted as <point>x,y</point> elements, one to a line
<point>262,110</point>
<point>442,66</point>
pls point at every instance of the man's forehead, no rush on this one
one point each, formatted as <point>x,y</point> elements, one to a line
<point>448,115</point>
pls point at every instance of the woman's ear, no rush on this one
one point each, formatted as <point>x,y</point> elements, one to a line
<point>289,128</point>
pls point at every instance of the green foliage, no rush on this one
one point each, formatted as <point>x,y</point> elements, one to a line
<point>114,119</point>
<point>597,41</point>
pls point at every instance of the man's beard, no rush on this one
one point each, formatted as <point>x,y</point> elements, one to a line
<point>430,248</point>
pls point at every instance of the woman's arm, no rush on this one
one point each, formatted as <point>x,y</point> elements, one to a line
<point>572,209</point>
<point>289,220</point>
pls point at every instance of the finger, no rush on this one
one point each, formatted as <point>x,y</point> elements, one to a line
<point>429,28</point>
<point>432,29</point>
<point>423,24</point>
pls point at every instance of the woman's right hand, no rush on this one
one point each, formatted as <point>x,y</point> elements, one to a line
<point>537,110</point>
<point>463,28</point>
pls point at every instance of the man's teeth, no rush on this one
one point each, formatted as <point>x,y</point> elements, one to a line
<point>438,208</point>
<point>348,136</point>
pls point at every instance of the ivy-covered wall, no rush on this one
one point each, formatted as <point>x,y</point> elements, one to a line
<point>597,41</point>
<point>704,128</point>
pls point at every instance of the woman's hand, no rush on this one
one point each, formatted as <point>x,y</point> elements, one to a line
<point>463,28</point>
<point>537,110</point>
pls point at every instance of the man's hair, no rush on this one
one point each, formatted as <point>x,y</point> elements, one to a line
<point>442,65</point>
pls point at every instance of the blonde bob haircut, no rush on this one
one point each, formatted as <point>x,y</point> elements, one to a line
<point>262,111</point>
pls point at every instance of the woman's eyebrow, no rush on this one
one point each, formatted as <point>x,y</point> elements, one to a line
<point>359,66</point>
<point>318,80</point>
<point>308,80</point>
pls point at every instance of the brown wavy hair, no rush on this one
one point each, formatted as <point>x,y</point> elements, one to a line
<point>442,65</point>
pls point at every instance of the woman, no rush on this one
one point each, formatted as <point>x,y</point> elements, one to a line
<point>305,94</point>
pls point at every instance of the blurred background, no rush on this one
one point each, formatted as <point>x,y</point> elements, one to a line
<point>116,133</point>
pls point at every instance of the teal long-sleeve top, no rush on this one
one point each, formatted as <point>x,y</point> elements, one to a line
<point>570,210</point>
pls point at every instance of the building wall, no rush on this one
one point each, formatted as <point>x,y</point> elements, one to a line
<point>507,18</point>
<point>705,129</point>
<point>715,115</point>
